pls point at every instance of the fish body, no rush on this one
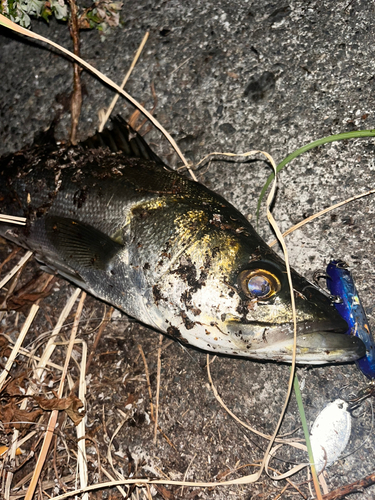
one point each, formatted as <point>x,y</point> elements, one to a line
<point>341,284</point>
<point>165,250</point>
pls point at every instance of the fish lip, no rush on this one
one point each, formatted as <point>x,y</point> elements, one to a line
<point>318,342</point>
<point>329,347</point>
<point>338,325</point>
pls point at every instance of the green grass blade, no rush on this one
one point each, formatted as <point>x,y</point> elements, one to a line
<point>306,432</point>
<point>331,138</point>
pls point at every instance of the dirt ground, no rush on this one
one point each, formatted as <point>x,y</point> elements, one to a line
<point>229,76</point>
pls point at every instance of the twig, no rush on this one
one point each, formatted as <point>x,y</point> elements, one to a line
<point>125,418</point>
<point>46,485</point>
<point>180,66</point>
<point>50,347</point>
<point>25,352</point>
<point>121,490</point>
<point>157,389</point>
<point>148,382</point>
<point>167,438</point>
<point>187,472</point>
<point>357,486</point>
<point>62,487</point>
<point>10,290</point>
<point>93,441</point>
<point>100,331</point>
<point>76,102</point>
<point>247,426</point>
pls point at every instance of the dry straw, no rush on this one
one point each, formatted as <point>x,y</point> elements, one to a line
<point>12,219</point>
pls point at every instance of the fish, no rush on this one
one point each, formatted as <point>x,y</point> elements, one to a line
<point>341,284</point>
<point>111,217</point>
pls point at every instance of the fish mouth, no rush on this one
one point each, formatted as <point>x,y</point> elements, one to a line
<point>318,342</point>
<point>327,347</point>
<point>324,342</point>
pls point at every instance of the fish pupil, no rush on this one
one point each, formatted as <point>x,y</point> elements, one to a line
<point>259,286</point>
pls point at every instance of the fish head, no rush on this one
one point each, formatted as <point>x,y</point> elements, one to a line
<point>266,323</point>
<point>230,294</point>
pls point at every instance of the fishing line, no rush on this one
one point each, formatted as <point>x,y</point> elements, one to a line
<point>368,435</point>
<point>246,432</point>
<point>220,157</point>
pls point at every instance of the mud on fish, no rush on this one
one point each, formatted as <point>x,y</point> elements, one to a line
<point>111,217</point>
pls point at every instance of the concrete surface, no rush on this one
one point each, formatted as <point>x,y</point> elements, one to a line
<point>234,76</point>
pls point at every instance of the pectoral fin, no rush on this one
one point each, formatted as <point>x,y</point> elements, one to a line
<point>81,245</point>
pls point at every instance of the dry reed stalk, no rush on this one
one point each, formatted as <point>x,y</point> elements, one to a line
<point>13,219</point>
<point>41,365</point>
<point>126,78</point>
<point>121,490</point>
<point>33,357</point>
<point>241,422</point>
<point>54,414</point>
<point>13,450</point>
<point>81,430</point>
<point>12,254</point>
<point>15,269</point>
<point>50,346</point>
<point>34,309</point>
<point>109,454</point>
<point>323,212</point>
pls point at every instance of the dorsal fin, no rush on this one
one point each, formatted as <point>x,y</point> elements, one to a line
<point>122,137</point>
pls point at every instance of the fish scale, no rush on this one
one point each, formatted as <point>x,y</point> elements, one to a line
<point>165,250</point>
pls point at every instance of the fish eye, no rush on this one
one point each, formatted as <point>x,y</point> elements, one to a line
<point>259,283</point>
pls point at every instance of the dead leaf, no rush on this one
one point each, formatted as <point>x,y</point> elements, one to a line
<point>52,404</point>
<point>16,387</point>
<point>37,288</point>
<point>76,410</point>
<point>72,405</point>
<point>221,475</point>
<point>14,418</point>
<point>166,494</point>
<point>4,349</point>
<point>130,399</point>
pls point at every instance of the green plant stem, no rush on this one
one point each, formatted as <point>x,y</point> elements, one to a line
<point>307,435</point>
<point>331,138</point>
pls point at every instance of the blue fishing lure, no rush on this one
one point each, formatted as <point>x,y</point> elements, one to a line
<point>340,283</point>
